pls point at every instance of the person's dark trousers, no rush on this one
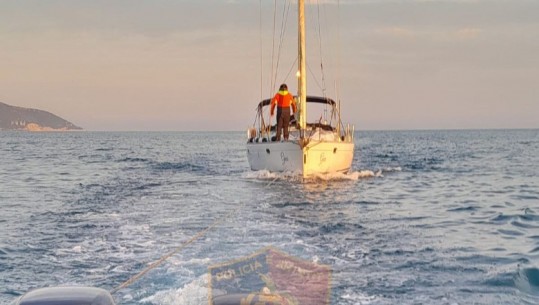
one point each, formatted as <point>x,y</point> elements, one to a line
<point>283,118</point>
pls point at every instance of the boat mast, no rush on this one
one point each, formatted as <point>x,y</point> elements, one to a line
<point>302,88</point>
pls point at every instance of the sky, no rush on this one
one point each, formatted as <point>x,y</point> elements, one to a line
<point>131,65</point>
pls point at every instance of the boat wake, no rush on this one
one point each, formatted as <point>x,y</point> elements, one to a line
<point>353,176</point>
<point>267,175</point>
<point>296,176</point>
<point>195,293</point>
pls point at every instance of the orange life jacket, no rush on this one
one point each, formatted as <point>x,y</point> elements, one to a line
<point>283,99</point>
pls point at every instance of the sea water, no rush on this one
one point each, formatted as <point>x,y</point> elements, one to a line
<point>424,217</point>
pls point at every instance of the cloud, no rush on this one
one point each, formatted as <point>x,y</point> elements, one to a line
<point>397,31</point>
<point>468,33</point>
<point>438,35</point>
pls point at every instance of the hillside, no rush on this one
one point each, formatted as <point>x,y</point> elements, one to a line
<point>19,118</point>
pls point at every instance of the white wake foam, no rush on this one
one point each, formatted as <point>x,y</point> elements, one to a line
<point>296,176</point>
<point>354,176</point>
<point>359,298</point>
<point>392,169</point>
<point>265,174</point>
<point>193,293</point>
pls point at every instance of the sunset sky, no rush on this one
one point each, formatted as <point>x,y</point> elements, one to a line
<point>196,64</point>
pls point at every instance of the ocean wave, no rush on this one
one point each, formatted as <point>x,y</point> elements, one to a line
<point>527,280</point>
<point>340,227</point>
<point>464,209</point>
<point>146,186</point>
<point>516,219</point>
<point>128,159</point>
<point>425,164</point>
<point>178,166</point>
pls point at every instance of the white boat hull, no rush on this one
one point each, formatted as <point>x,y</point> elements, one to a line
<point>275,156</point>
<point>327,157</point>
<point>317,157</point>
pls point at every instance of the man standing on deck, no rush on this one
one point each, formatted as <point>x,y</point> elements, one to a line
<point>283,99</point>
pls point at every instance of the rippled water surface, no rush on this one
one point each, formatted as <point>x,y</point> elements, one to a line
<point>425,217</point>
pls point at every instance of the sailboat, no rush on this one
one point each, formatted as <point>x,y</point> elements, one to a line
<point>313,148</point>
